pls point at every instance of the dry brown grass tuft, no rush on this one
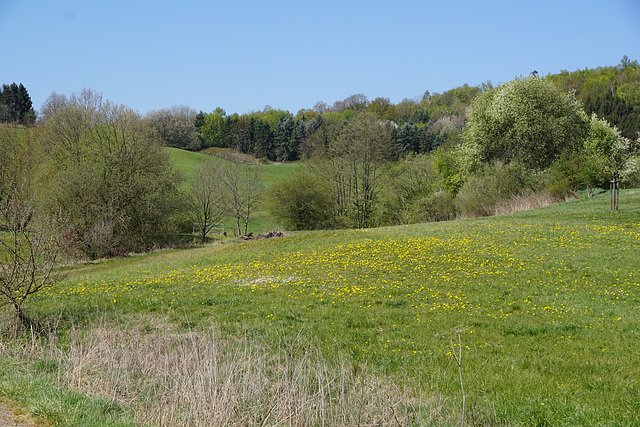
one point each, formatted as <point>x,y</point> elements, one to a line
<point>201,378</point>
<point>527,202</point>
<point>522,202</point>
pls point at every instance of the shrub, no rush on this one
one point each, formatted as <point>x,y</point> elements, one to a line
<point>438,206</point>
<point>495,183</point>
<point>117,189</point>
<point>527,120</point>
<point>302,203</point>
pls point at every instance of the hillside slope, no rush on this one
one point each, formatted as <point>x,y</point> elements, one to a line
<point>547,303</point>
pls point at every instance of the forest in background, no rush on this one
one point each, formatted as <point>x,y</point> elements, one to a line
<point>470,151</point>
<point>419,125</point>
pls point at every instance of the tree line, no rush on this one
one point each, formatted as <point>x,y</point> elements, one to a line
<point>419,125</point>
<point>525,139</point>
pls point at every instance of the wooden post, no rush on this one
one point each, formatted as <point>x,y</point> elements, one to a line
<point>614,189</point>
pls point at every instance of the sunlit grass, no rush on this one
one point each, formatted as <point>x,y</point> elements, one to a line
<point>553,295</point>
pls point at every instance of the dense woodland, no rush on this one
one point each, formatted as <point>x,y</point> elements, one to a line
<point>99,169</point>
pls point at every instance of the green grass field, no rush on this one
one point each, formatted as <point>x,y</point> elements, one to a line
<point>187,163</point>
<point>548,302</point>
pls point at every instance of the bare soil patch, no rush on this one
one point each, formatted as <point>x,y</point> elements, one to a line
<point>9,418</point>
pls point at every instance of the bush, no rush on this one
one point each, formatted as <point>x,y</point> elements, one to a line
<point>494,184</point>
<point>437,206</point>
<point>527,120</point>
<point>302,203</point>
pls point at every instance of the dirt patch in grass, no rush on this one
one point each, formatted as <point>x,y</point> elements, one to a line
<point>11,418</point>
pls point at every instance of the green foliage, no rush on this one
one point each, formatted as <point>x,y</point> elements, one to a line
<point>570,173</point>
<point>383,109</point>
<point>528,120</point>
<point>613,93</point>
<point>117,190</point>
<point>610,149</point>
<point>285,145</point>
<point>414,194</point>
<point>216,129</point>
<point>303,202</point>
<point>493,184</point>
<point>408,138</point>
<point>453,102</point>
<point>437,206</point>
<point>606,154</point>
<point>449,165</point>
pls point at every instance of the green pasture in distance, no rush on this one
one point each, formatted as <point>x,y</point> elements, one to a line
<point>188,162</point>
<point>548,302</point>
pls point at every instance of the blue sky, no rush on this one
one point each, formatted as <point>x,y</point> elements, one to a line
<point>244,55</point>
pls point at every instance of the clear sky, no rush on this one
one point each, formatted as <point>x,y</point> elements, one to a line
<point>244,55</point>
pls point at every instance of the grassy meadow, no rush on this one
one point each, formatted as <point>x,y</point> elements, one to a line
<point>541,308</point>
<point>188,162</point>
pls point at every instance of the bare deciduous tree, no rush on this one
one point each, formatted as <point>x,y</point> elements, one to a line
<point>174,127</point>
<point>29,253</point>
<point>241,192</point>
<point>205,198</point>
<point>353,158</point>
<point>52,105</point>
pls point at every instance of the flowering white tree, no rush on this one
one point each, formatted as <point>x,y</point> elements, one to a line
<point>528,120</point>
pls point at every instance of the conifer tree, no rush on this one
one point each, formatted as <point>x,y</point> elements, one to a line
<point>16,105</point>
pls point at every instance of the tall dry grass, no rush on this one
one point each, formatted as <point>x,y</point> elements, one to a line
<point>522,202</point>
<point>528,201</point>
<point>204,379</point>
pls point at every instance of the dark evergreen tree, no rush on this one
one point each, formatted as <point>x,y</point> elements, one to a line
<point>314,124</point>
<point>16,105</point>
<point>429,140</point>
<point>408,138</point>
<point>616,111</point>
<point>229,129</point>
<point>244,134</point>
<point>284,144</point>
<point>299,135</point>
<point>420,116</point>
<point>198,121</point>
<point>263,140</point>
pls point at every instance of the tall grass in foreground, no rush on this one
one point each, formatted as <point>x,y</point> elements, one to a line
<point>201,378</point>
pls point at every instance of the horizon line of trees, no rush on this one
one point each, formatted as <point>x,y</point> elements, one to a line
<point>418,125</point>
